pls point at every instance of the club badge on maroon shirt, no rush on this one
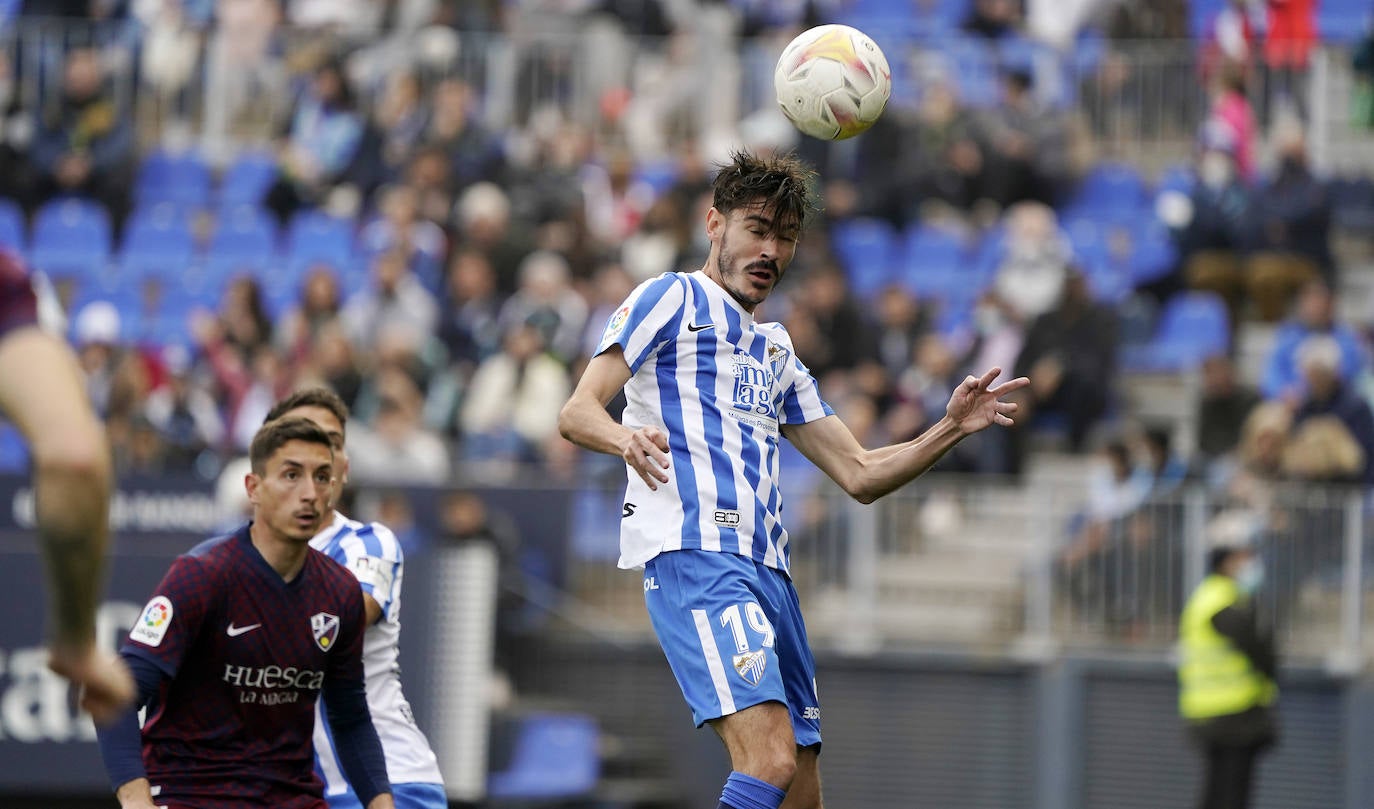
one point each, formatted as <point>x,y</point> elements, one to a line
<point>325,627</point>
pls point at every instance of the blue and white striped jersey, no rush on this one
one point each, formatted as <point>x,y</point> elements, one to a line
<point>373,555</point>
<point>719,385</point>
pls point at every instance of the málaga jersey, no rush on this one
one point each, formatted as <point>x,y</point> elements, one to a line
<point>372,554</point>
<point>719,385</point>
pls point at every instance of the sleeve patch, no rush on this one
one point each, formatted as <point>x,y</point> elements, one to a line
<point>615,327</point>
<point>153,623</point>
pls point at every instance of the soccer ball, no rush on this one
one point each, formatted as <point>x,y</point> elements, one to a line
<point>832,82</point>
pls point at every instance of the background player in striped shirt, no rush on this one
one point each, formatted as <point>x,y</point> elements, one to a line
<point>372,554</point>
<point>240,639</point>
<point>41,392</point>
<point>708,392</point>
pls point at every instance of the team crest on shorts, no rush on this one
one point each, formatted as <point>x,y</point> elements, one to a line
<point>325,628</point>
<point>751,665</point>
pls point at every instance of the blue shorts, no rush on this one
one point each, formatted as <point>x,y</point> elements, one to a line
<point>733,634</point>
<point>406,796</point>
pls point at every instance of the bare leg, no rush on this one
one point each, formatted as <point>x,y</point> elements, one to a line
<point>43,395</point>
<point>805,792</point>
<point>760,742</point>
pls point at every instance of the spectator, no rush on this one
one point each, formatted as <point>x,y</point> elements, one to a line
<point>1028,149</point>
<point>1291,35</point>
<point>1319,359</point>
<point>85,144</point>
<point>993,19</point>
<point>900,320</point>
<point>1232,117</point>
<point>512,405</point>
<point>615,201</point>
<point>949,160</point>
<point>1222,409</point>
<point>474,154</point>
<point>1292,220</point>
<point>321,142</point>
<point>319,305</point>
<point>1070,356</point>
<point>1210,226</point>
<point>333,362</point>
<point>401,228</point>
<point>611,285</point>
<point>547,302</point>
<point>396,448</point>
<point>96,333</point>
<point>401,118</point>
<point>242,318</point>
<point>183,414</point>
<point>846,340</point>
<point>1314,313</point>
<point>470,317</point>
<point>484,222</point>
<point>395,302</point>
<point>1036,261</point>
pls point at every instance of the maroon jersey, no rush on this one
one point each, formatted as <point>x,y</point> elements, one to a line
<point>246,655</point>
<point>18,304</point>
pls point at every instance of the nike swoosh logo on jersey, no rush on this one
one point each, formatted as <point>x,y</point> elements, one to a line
<point>693,327</point>
<point>234,631</point>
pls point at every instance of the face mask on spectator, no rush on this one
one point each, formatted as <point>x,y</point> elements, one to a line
<point>1216,170</point>
<point>1250,576</point>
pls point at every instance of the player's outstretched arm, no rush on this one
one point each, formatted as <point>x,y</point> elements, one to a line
<point>867,475</point>
<point>72,497</point>
<point>585,422</point>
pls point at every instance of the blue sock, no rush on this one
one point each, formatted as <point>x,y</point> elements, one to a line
<point>747,792</point>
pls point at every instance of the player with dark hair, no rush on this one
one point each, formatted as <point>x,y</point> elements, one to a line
<point>242,636</point>
<point>41,392</point>
<point>373,555</point>
<point>709,391</point>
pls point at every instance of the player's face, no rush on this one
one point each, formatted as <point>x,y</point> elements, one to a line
<point>291,497</point>
<point>328,422</point>
<point>753,251</point>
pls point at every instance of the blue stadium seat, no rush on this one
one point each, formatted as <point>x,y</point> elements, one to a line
<point>556,756</point>
<point>158,243</point>
<point>246,180</point>
<point>71,239</point>
<point>973,70</point>
<point>1201,15</point>
<point>245,233</point>
<point>1111,190</point>
<point>1342,20</point>
<point>181,178</point>
<point>315,235</point>
<point>1155,253</point>
<point>12,226</point>
<point>14,453</point>
<point>936,263</point>
<point>1192,327</point>
<point>657,174</point>
<point>868,250</point>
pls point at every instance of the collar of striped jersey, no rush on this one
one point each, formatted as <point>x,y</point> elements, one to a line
<point>716,290</point>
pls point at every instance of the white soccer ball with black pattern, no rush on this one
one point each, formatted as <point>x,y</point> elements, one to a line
<point>832,82</point>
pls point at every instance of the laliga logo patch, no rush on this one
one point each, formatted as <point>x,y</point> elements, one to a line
<point>153,623</point>
<point>616,326</point>
<point>751,665</point>
<point>325,628</point>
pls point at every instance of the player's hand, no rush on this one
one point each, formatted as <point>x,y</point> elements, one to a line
<point>647,454</point>
<point>106,687</point>
<point>976,405</point>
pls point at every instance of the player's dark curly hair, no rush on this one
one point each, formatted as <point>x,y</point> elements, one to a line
<point>782,182</point>
<point>311,397</point>
<point>277,433</point>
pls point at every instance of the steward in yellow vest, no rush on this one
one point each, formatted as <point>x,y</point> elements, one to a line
<point>1226,676</point>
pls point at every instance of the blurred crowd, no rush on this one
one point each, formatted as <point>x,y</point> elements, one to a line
<point>487,261</point>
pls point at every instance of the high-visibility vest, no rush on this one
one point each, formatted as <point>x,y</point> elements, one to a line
<point>1215,678</point>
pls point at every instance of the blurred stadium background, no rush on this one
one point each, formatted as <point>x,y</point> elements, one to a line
<point>1162,211</point>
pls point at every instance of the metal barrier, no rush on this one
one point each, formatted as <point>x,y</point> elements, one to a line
<point>1022,569</point>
